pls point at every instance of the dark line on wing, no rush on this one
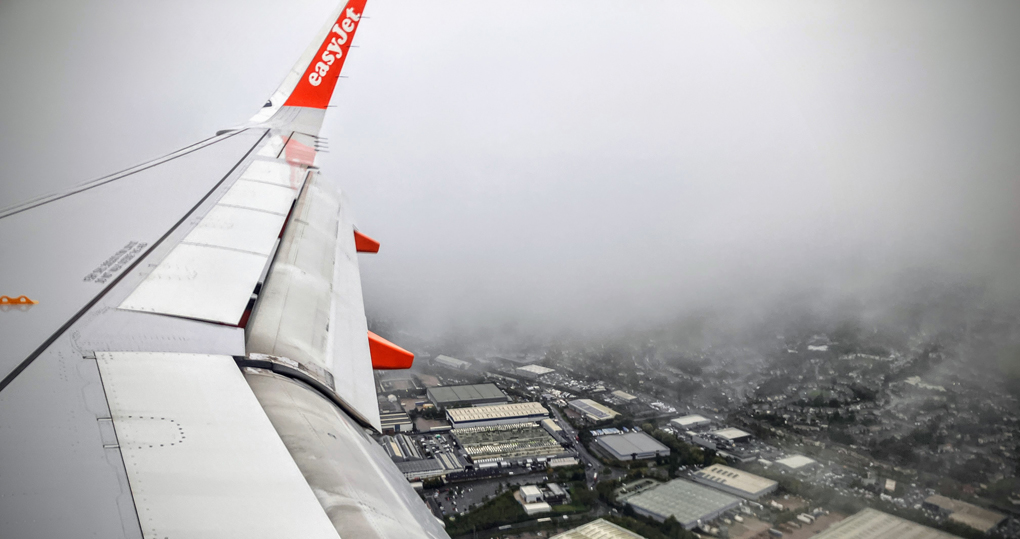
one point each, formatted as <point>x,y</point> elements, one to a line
<point>127,172</point>
<point>56,335</point>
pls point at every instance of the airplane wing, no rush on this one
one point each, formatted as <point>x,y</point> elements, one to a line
<point>183,344</point>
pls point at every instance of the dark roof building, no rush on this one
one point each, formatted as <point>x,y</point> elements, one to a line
<point>632,446</point>
<point>467,395</point>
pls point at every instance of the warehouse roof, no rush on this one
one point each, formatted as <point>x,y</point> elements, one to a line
<point>593,409</point>
<point>598,529</point>
<point>632,442</point>
<point>537,370</point>
<point>689,420</point>
<point>968,514</point>
<point>684,500</point>
<point>731,433</point>
<point>796,462</point>
<point>466,393</point>
<point>735,479</point>
<point>498,411</point>
<point>623,395</point>
<point>872,524</point>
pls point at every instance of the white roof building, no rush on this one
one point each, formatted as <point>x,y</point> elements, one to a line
<point>592,410</point>
<point>732,434</point>
<point>796,463</point>
<point>598,529</point>
<point>499,414</point>
<point>531,494</point>
<point>533,371</point>
<point>688,422</point>
<point>734,481</point>
<point>624,396</point>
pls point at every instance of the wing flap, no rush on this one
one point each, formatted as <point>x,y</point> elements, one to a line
<point>202,458</point>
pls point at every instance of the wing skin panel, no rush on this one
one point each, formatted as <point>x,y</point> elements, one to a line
<point>276,173</point>
<point>200,282</point>
<point>239,229</point>
<point>260,196</point>
<point>66,252</point>
<point>202,458</point>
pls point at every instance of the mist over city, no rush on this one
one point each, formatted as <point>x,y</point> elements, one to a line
<point>634,248</point>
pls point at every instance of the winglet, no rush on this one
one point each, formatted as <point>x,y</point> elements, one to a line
<point>315,87</point>
<point>365,244</point>
<point>386,355</point>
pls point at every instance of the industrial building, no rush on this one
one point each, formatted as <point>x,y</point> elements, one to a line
<point>438,466</point>
<point>731,435</point>
<point>531,494</point>
<point>592,410</point>
<point>797,463</point>
<point>623,396</point>
<point>533,372</point>
<point>690,422</point>
<point>873,524</point>
<point>467,395</point>
<point>631,446</point>
<point>968,514</point>
<point>598,529</point>
<point>395,422</point>
<point>400,447</point>
<point>689,503</point>
<point>451,363</point>
<point>504,442</point>
<point>497,414</point>
<point>736,482</point>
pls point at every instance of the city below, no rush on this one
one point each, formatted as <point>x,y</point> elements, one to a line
<point>810,442</point>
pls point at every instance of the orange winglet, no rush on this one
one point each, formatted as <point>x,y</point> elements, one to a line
<point>20,300</point>
<point>386,355</point>
<point>365,244</point>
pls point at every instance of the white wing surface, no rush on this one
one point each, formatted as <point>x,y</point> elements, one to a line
<point>184,344</point>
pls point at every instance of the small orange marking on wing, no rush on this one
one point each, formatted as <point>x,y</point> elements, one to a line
<point>20,300</point>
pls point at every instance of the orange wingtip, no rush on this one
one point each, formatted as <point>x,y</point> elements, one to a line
<point>386,355</point>
<point>365,244</point>
<point>20,300</point>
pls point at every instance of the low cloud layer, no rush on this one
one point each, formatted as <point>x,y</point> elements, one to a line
<point>580,165</point>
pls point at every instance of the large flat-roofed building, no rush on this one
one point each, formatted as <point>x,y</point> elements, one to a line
<point>873,524</point>
<point>689,503</point>
<point>504,442</point>
<point>688,422</point>
<point>592,410</point>
<point>497,414</point>
<point>732,435</point>
<point>467,395</point>
<point>451,363</point>
<point>797,463</point>
<point>632,446</point>
<point>598,529</point>
<point>395,422</point>
<point>968,514</point>
<point>533,371</point>
<point>623,396</point>
<point>734,481</point>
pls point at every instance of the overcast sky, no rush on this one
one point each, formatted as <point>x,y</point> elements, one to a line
<point>574,163</point>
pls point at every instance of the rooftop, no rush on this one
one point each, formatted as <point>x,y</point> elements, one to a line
<point>731,433</point>
<point>632,442</point>
<point>688,420</point>
<point>736,479</point>
<point>872,524</point>
<point>968,514</point>
<point>686,501</point>
<point>537,370</point>
<point>623,395</point>
<point>498,411</point>
<point>598,529</point>
<point>467,393</point>
<point>593,409</point>
<point>796,462</point>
